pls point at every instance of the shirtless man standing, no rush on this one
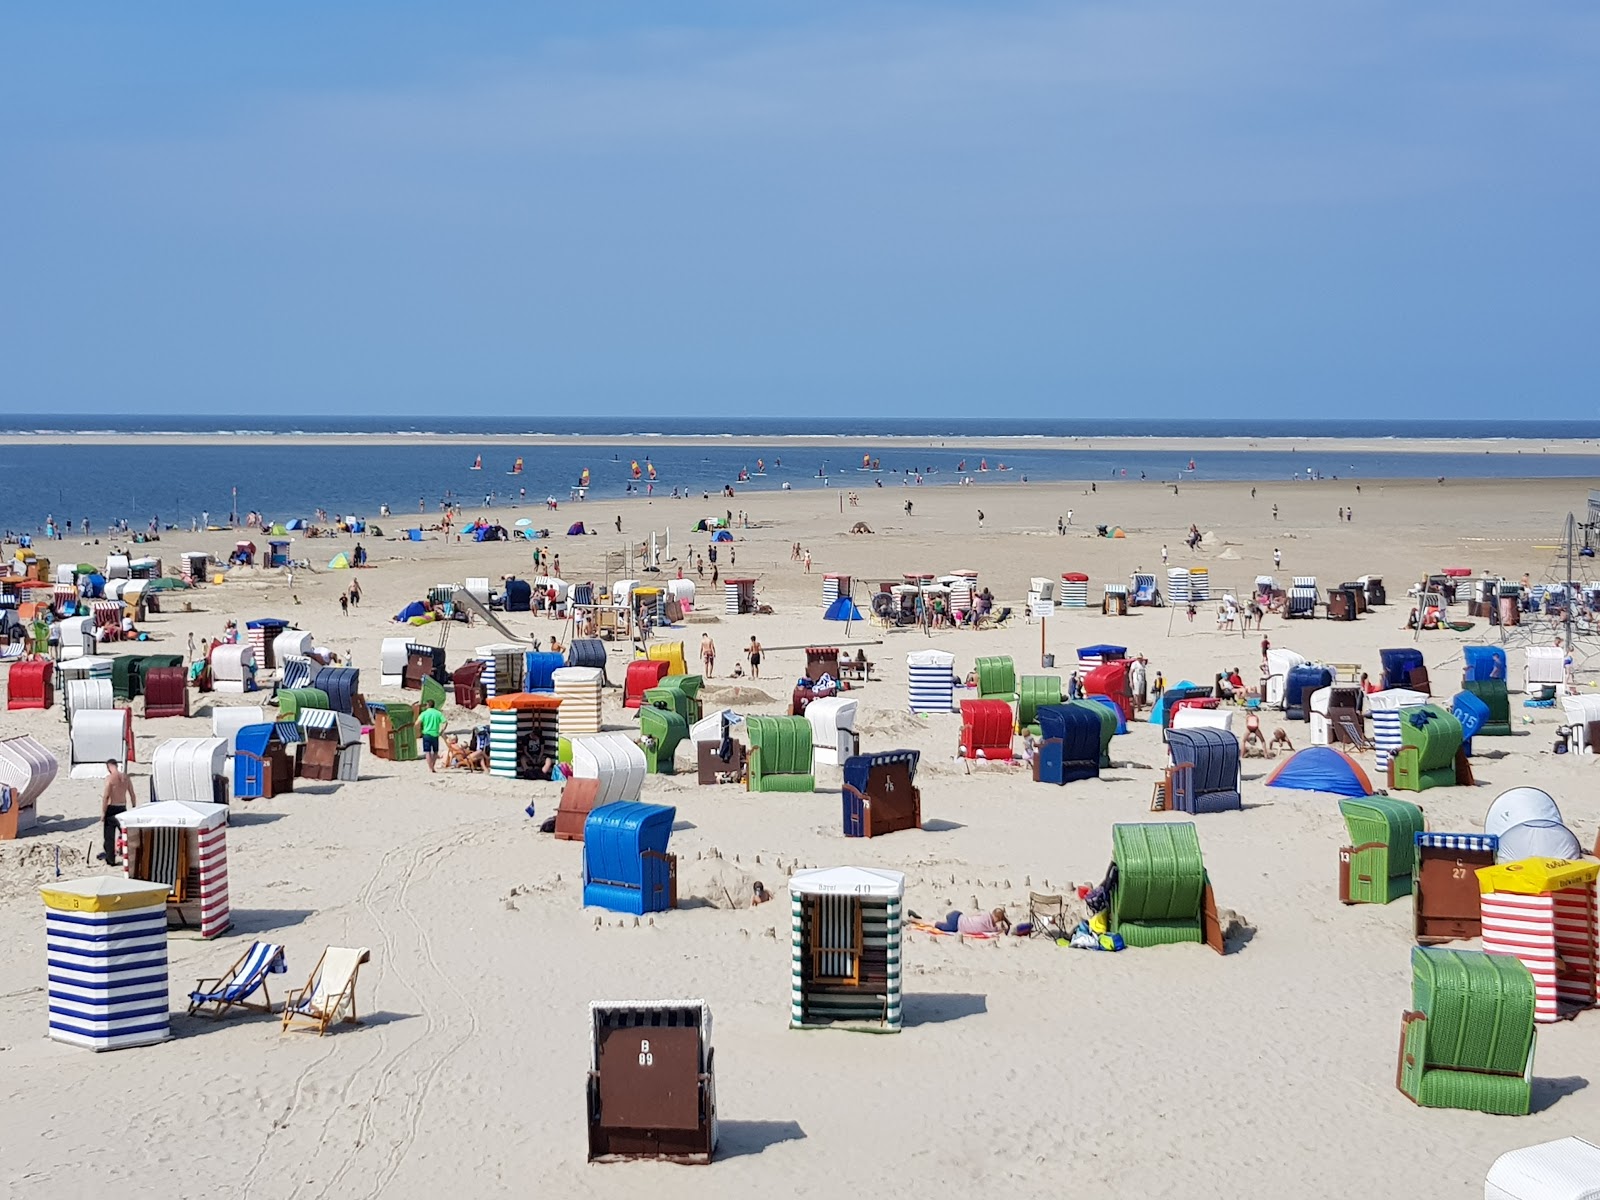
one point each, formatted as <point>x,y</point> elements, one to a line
<point>117,798</point>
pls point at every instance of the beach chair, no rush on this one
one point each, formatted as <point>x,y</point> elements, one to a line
<point>1047,916</point>
<point>329,996</point>
<point>1468,1040</point>
<point>235,988</point>
<point>660,731</point>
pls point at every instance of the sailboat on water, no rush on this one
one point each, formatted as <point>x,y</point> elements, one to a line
<point>516,468</point>
<point>650,469</point>
<point>634,468</point>
<point>583,479</point>
<point>477,463</point>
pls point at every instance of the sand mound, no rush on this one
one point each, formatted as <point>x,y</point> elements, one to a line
<point>891,725</point>
<point>737,696</point>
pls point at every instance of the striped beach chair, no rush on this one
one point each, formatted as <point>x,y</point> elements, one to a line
<point>237,987</point>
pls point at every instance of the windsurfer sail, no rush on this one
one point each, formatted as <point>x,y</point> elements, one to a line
<point>516,468</point>
<point>477,463</point>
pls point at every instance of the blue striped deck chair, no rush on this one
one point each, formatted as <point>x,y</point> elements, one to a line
<point>235,989</point>
<point>295,672</point>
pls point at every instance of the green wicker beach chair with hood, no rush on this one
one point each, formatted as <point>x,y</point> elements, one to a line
<point>780,755</point>
<point>1160,894</point>
<point>1493,693</point>
<point>433,690</point>
<point>688,689</point>
<point>672,699</point>
<point>1378,864</point>
<point>1108,727</point>
<point>291,701</point>
<point>660,731</point>
<point>1468,1041</point>
<point>1430,751</point>
<point>997,679</point>
<point>1033,693</point>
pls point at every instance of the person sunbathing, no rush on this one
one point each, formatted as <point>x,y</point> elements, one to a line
<point>992,922</point>
<point>461,756</point>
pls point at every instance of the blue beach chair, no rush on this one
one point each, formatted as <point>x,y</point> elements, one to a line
<point>216,997</point>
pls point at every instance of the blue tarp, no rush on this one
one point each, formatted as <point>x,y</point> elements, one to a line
<point>415,609</point>
<point>722,535</point>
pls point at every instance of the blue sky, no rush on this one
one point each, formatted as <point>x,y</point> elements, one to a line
<point>1372,209</point>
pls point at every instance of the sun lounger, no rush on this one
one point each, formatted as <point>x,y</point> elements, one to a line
<point>235,989</point>
<point>329,996</point>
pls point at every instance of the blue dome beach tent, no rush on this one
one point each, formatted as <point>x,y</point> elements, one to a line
<point>1322,769</point>
<point>842,609</point>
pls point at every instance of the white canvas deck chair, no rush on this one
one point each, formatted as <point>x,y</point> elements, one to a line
<point>329,996</point>
<point>237,987</point>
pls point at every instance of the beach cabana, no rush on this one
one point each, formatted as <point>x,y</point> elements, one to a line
<point>880,794</point>
<point>1430,753</point>
<point>1444,892</point>
<point>1204,771</point>
<point>233,668</point>
<point>263,763</point>
<point>1110,725</point>
<point>997,678</point>
<point>539,668</point>
<point>643,674</point>
<point>845,931</point>
<point>1542,912</point>
<point>661,728</point>
<point>1161,895</point>
<point>182,844</point>
<point>1377,866</point>
<point>392,661</point>
<point>99,736</point>
<point>30,684</point>
<point>626,867</point>
<point>1404,668</point>
<point>294,701</point>
<point>523,731</point>
<point>738,595</point>
<point>931,684</point>
<point>780,755</point>
<point>193,769</point>
<point>466,682</point>
<point>1298,687</point>
<point>578,689</point>
<point>393,733</point>
<point>1321,769</point>
<point>1566,1169</point>
<point>1581,723</point>
<point>342,685</point>
<point>1033,693</point>
<point>166,692</point>
<point>503,664</point>
<point>1337,718</point>
<point>423,662</point>
<point>1279,663</point>
<point>105,942</point>
<point>1385,708</point>
<point>615,762</point>
<point>1467,1041</point>
<point>652,1090</point>
<point>27,768</point>
<point>262,635</point>
<point>332,748</point>
<point>227,720</point>
<point>1110,679</point>
<point>986,727</point>
<point>834,740</point>
<point>1070,744</point>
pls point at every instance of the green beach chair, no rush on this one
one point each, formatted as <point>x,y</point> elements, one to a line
<point>1430,750</point>
<point>997,678</point>
<point>433,690</point>
<point>780,755</point>
<point>688,687</point>
<point>1161,896</point>
<point>1033,693</point>
<point>661,729</point>
<point>292,701</point>
<point>1468,1041</point>
<point>1378,864</point>
<point>1493,693</point>
<point>671,699</point>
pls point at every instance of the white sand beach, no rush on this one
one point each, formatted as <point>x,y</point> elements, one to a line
<point>1024,1069</point>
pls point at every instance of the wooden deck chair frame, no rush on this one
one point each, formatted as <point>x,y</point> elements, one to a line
<point>322,1019</point>
<point>215,1007</point>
